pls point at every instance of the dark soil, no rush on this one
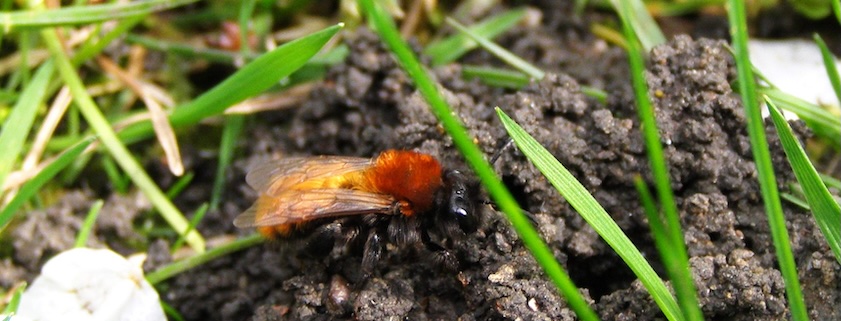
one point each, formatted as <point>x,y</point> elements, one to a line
<point>367,105</point>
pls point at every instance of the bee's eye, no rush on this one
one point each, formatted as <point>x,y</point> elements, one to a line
<point>458,201</point>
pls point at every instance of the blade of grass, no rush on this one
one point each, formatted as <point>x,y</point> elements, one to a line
<point>246,10</point>
<point>197,217</point>
<point>449,49</point>
<point>501,53</point>
<point>175,268</point>
<point>233,123</point>
<point>230,136</point>
<point>826,211</point>
<point>187,50</point>
<point>762,157</point>
<point>658,230</point>
<point>91,48</point>
<point>250,80</point>
<point>12,307</point>
<point>796,201</point>
<point>33,185</point>
<point>179,185</point>
<point>389,34</point>
<point>171,312</point>
<point>609,34</point>
<point>84,14</point>
<point>87,226</point>
<point>72,172</point>
<point>496,77</point>
<point>596,93</point>
<point>836,8</point>
<point>643,24</point>
<point>119,182</point>
<point>821,121</point>
<point>674,255</point>
<point>831,181</point>
<point>25,47</point>
<point>584,203</point>
<point>49,123</point>
<point>829,64</point>
<point>499,77</point>
<point>20,120</point>
<point>109,139</point>
<point>680,8</point>
<point>160,121</point>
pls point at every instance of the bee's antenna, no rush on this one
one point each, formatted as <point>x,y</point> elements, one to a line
<point>529,215</point>
<point>505,146</point>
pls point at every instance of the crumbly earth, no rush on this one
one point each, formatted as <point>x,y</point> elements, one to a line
<point>367,104</point>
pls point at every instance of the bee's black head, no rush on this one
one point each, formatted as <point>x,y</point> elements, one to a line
<point>458,201</point>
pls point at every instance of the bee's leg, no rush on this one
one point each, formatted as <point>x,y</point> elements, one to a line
<point>403,231</point>
<point>322,240</point>
<point>440,255</point>
<point>371,254</point>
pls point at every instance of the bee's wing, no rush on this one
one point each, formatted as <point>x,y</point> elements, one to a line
<point>275,177</point>
<point>297,206</point>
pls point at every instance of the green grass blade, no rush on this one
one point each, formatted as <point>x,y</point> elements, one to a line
<point>796,201</point>
<point>171,312</point>
<point>836,8</point>
<point>674,254</point>
<point>831,181</point>
<point>595,93</point>
<point>91,49</point>
<point>19,122</point>
<point>495,76</point>
<point>187,50</point>
<point>762,157</point>
<point>197,217</point>
<point>175,268</point>
<point>179,185</point>
<point>252,79</point>
<point>84,14</point>
<point>45,175</point>
<point>119,182</point>
<point>246,11</point>
<point>829,64</point>
<point>448,50</point>
<point>503,198</point>
<point>821,121</point>
<point>658,230</point>
<point>12,307</point>
<point>826,211</point>
<point>109,139</point>
<point>499,52</point>
<point>233,123</point>
<point>814,10</point>
<point>87,226</point>
<point>230,137</point>
<point>580,199</point>
<point>644,26</point>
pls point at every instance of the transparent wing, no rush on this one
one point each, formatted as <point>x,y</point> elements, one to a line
<point>275,177</point>
<point>296,206</point>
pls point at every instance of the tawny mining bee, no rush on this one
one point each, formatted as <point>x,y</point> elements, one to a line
<point>400,197</point>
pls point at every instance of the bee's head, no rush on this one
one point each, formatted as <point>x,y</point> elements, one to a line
<point>458,202</point>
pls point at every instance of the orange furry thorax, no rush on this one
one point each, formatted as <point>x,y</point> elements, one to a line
<point>411,177</point>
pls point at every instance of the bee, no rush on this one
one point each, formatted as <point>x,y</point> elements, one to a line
<point>400,197</point>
